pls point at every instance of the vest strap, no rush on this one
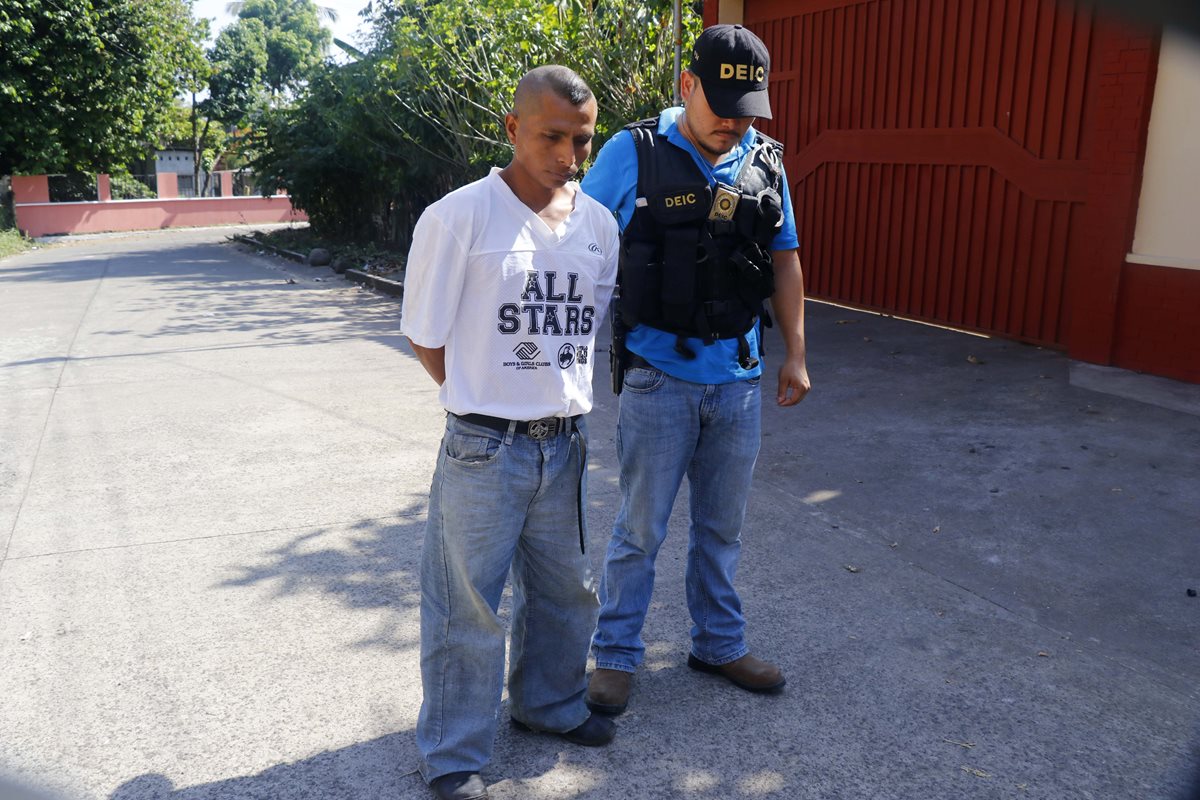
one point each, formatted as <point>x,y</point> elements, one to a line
<point>681,347</point>
<point>682,260</point>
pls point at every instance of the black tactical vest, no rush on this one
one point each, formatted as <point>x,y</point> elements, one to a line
<point>696,259</point>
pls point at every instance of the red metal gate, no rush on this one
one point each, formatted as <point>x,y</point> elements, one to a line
<point>935,153</point>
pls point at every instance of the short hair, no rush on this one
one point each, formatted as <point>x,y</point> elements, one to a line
<point>563,81</point>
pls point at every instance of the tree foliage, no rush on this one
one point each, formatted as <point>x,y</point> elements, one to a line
<point>335,156</point>
<point>237,83</point>
<point>124,186</point>
<point>371,144</point>
<point>85,85</point>
<point>292,38</point>
<point>260,63</point>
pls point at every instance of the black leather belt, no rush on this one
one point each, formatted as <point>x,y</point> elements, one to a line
<point>634,361</point>
<point>537,429</point>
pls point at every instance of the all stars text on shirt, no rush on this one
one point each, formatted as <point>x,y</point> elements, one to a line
<point>543,310</point>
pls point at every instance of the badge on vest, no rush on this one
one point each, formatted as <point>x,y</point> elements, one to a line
<point>724,204</point>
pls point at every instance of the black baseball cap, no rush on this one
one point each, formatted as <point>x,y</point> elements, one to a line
<point>732,65</point>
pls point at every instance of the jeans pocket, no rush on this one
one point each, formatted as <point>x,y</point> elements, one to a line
<point>472,450</point>
<point>754,381</point>
<point>644,379</point>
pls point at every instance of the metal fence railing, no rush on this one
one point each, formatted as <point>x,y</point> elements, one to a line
<point>205,185</point>
<point>133,187</point>
<point>244,184</point>
<point>187,185</point>
<point>72,188</point>
<point>82,187</point>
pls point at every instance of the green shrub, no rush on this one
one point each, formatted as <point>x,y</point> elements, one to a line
<point>370,144</point>
<point>126,187</point>
<point>12,242</point>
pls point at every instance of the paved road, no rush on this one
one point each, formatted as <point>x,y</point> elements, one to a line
<point>212,489</point>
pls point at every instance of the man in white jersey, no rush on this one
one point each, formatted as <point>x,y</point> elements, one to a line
<point>507,281</point>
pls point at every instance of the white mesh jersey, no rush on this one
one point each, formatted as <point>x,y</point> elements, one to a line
<point>516,304</point>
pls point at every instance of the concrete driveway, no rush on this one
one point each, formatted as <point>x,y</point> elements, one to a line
<point>213,477</point>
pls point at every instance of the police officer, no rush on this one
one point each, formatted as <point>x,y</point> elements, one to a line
<point>708,235</point>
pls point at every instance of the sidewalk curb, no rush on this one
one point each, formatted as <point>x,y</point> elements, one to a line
<point>376,282</point>
<point>250,240</point>
<point>387,286</point>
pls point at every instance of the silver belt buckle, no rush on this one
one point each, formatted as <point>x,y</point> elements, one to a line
<point>539,429</point>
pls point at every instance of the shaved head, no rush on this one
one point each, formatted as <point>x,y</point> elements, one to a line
<point>552,78</point>
<point>550,128</point>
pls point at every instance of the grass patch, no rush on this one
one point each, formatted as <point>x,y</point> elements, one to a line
<point>373,258</point>
<point>12,242</point>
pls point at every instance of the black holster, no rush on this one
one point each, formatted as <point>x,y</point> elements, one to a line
<point>617,360</point>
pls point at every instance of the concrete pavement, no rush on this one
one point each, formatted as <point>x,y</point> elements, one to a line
<point>212,492</point>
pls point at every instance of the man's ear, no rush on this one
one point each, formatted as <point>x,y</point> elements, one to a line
<point>687,82</point>
<point>510,126</point>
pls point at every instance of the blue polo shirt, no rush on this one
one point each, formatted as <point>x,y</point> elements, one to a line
<point>613,181</point>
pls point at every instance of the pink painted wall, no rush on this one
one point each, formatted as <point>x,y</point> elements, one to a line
<point>42,218</point>
<point>36,216</point>
<point>167,185</point>
<point>31,188</point>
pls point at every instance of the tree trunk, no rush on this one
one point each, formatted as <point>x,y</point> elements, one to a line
<point>195,145</point>
<point>200,152</point>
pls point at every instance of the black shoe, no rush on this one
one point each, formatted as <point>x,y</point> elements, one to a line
<point>459,786</point>
<point>596,731</point>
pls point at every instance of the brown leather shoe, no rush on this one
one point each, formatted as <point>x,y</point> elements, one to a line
<point>608,691</point>
<point>749,673</point>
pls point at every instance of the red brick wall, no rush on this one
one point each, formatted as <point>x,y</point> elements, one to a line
<point>1158,322</point>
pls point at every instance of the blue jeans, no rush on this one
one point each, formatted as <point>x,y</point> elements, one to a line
<point>502,501</point>
<point>668,428</point>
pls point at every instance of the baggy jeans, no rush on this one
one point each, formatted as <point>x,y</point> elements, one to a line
<point>669,428</point>
<point>499,502</point>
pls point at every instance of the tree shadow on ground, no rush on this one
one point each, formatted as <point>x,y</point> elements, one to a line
<point>379,768</point>
<point>212,287</point>
<point>371,565</point>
